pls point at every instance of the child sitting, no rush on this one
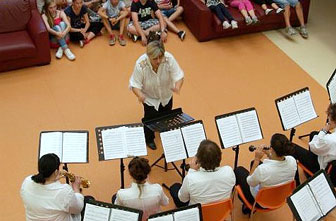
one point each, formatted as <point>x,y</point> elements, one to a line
<point>246,8</point>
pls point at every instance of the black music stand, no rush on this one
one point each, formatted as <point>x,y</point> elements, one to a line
<point>171,212</point>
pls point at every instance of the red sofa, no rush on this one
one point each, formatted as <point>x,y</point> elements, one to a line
<point>206,26</point>
<point>24,39</point>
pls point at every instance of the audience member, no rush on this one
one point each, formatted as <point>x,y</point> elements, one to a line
<point>267,10</point>
<point>246,9</point>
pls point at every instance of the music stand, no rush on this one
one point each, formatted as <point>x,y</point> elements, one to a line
<point>196,210</point>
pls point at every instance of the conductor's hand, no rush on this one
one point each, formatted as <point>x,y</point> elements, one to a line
<point>193,164</point>
<point>259,153</point>
<point>75,185</point>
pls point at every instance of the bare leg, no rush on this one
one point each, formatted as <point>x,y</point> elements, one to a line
<point>122,23</point>
<point>107,26</point>
<point>90,36</point>
<point>299,13</point>
<point>177,13</point>
<point>131,29</point>
<point>287,16</point>
<point>251,12</point>
<point>244,13</point>
<point>264,6</point>
<point>275,6</point>
<point>170,25</point>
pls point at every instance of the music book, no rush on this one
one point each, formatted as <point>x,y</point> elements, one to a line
<point>121,141</point>
<point>69,146</point>
<point>188,213</point>
<point>313,199</point>
<point>331,88</point>
<point>183,142</point>
<point>100,211</point>
<point>238,127</point>
<point>295,108</point>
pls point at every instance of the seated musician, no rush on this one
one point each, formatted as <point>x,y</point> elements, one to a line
<point>322,147</point>
<point>45,198</point>
<point>278,168</point>
<point>206,181</point>
<point>142,195</point>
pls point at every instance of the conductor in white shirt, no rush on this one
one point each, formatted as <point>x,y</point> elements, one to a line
<point>155,77</point>
<point>45,198</point>
<point>276,169</point>
<point>206,181</point>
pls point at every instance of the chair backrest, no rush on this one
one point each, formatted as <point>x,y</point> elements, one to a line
<point>275,196</point>
<point>217,211</point>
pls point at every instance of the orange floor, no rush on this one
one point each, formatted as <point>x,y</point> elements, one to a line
<point>220,76</point>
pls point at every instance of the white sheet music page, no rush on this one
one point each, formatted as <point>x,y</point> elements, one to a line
<point>306,205</point>
<point>74,147</point>
<point>173,146</point>
<point>135,139</point>
<point>113,143</point>
<point>249,126</point>
<point>288,113</point>
<point>229,131</point>
<point>323,194</point>
<point>168,217</point>
<point>305,106</point>
<point>332,89</point>
<point>193,135</point>
<point>123,215</point>
<point>96,213</point>
<point>187,215</point>
<point>51,142</point>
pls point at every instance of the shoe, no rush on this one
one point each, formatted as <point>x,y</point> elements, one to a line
<point>151,145</point>
<point>248,20</point>
<point>81,43</point>
<point>69,54</point>
<point>226,25</point>
<point>112,40</point>
<point>59,53</point>
<point>121,40</point>
<point>135,38</point>
<point>303,32</point>
<point>245,210</point>
<point>181,35</point>
<point>290,31</point>
<point>255,20</point>
<point>234,24</point>
<point>267,11</point>
<point>279,11</point>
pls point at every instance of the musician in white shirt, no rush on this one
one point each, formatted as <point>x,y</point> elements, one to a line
<point>45,198</point>
<point>206,181</point>
<point>142,195</point>
<point>155,77</point>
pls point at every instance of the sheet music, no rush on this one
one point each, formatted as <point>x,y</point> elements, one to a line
<point>136,143</point>
<point>249,126</point>
<point>305,106</point>
<point>114,143</point>
<point>323,194</point>
<point>332,89</point>
<point>288,113</point>
<point>74,147</point>
<point>187,215</point>
<point>229,131</point>
<point>96,213</point>
<point>123,215</point>
<point>306,205</point>
<point>168,217</point>
<point>173,146</point>
<point>193,135</point>
<point>51,142</point>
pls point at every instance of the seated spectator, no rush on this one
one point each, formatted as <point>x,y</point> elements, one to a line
<point>299,13</point>
<point>274,6</point>
<point>246,9</point>
<point>58,27</point>
<point>277,169</point>
<point>144,21</point>
<point>40,5</point>
<point>142,195</point>
<point>206,181</point>
<point>114,16</point>
<point>81,31</point>
<point>170,13</point>
<point>219,8</point>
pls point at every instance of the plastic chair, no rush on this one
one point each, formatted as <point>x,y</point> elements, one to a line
<point>270,198</point>
<point>217,211</point>
<point>328,169</point>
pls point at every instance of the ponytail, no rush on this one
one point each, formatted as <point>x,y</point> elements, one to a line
<point>38,178</point>
<point>281,145</point>
<point>139,170</point>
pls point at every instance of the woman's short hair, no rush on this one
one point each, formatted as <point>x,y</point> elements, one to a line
<point>139,169</point>
<point>281,145</point>
<point>155,49</point>
<point>331,111</point>
<point>209,155</point>
<point>47,165</point>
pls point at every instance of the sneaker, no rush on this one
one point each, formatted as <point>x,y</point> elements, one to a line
<point>151,145</point>
<point>69,54</point>
<point>234,24</point>
<point>267,11</point>
<point>226,25</point>
<point>303,32</point>
<point>112,40</point>
<point>248,20</point>
<point>121,40</point>
<point>245,210</point>
<point>59,53</point>
<point>290,31</point>
<point>81,43</point>
<point>280,10</point>
<point>255,20</point>
<point>181,35</point>
<point>135,38</point>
